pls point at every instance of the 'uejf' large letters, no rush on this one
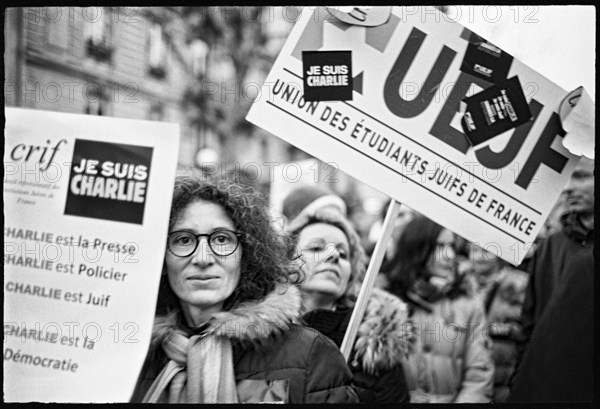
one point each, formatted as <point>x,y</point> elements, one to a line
<point>398,105</point>
<point>542,153</point>
<point>378,38</point>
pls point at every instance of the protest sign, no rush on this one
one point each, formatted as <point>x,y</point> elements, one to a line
<point>401,132</point>
<point>86,206</point>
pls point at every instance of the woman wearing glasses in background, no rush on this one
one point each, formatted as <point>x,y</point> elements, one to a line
<point>223,331</point>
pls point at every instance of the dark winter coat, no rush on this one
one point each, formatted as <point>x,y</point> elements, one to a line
<point>274,360</point>
<point>558,320</point>
<point>380,347</point>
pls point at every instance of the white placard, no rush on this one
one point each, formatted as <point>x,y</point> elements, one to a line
<point>401,132</point>
<point>86,206</point>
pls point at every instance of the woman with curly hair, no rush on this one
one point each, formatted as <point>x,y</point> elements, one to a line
<point>224,329</point>
<point>334,264</point>
<point>451,360</point>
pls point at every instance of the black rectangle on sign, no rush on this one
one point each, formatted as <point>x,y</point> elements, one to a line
<point>495,110</point>
<point>486,61</point>
<point>327,75</point>
<point>109,181</point>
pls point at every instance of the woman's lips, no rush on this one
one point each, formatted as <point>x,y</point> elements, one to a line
<point>202,277</point>
<point>328,270</point>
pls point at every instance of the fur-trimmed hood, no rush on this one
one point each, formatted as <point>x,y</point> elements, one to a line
<point>251,323</point>
<point>384,335</point>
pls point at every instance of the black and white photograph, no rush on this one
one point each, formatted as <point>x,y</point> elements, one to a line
<point>299,204</point>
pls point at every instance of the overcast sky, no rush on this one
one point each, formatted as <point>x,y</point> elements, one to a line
<point>557,41</point>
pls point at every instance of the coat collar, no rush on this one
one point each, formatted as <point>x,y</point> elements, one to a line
<point>251,323</point>
<point>384,335</point>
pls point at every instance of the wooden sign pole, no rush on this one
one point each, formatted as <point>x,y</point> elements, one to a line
<point>369,280</point>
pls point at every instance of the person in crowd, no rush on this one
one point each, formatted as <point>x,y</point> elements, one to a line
<point>551,225</point>
<point>502,289</point>
<point>310,198</point>
<point>224,330</point>
<point>451,360</point>
<point>333,263</point>
<point>482,269</point>
<point>462,254</point>
<point>557,349</point>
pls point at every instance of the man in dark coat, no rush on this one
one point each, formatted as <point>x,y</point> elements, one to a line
<point>556,357</point>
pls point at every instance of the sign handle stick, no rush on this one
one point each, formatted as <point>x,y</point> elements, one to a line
<point>369,280</point>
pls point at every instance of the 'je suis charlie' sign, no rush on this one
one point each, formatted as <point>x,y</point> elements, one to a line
<point>86,203</point>
<point>402,131</point>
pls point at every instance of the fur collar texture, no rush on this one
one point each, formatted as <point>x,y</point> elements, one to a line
<point>250,323</point>
<point>384,335</point>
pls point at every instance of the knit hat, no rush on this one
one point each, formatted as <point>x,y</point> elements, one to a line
<point>308,199</point>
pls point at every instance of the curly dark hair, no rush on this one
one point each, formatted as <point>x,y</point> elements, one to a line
<point>265,257</point>
<point>357,253</point>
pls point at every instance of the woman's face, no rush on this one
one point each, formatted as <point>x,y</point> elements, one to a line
<point>326,254</point>
<point>442,261</point>
<point>485,266</point>
<point>203,280</point>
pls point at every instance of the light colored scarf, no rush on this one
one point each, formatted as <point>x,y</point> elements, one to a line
<point>200,370</point>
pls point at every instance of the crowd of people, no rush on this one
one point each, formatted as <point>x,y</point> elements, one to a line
<point>248,312</point>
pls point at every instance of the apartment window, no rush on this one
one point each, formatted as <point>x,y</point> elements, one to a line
<point>98,32</point>
<point>95,108</point>
<point>157,52</point>
<point>96,101</point>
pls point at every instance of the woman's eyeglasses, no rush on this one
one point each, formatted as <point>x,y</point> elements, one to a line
<point>221,242</point>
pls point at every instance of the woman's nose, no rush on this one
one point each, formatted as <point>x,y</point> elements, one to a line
<point>203,254</point>
<point>332,255</point>
<point>568,189</point>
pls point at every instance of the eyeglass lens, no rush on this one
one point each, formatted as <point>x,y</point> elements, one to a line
<point>221,242</point>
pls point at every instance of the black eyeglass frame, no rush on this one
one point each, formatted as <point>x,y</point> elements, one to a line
<point>238,235</point>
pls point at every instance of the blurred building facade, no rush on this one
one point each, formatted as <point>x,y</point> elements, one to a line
<point>141,63</point>
<point>111,61</point>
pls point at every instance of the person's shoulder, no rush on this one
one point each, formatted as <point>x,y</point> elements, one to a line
<point>299,346</point>
<point>297,339</point>
<point>555,245</point>
<point>305,337</point>
<point>293,347</point>
<point>555,237</point>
